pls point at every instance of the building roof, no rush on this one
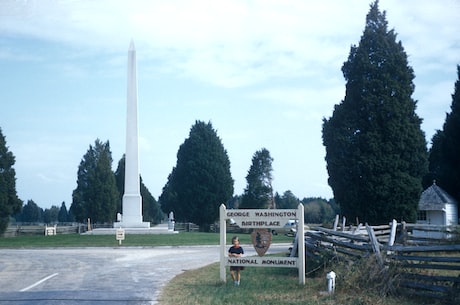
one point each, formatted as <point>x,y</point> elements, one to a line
<point>435,198</point>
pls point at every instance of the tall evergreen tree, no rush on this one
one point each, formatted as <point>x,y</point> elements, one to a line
<point>151,210</point>
<point>375,149</point>
<point>287,201</point>
<point>63,215</point>
<point>31,212</point>
<point>96,195</point>
<point>51,215</point>
<point>258,193</point>
<point>445,150</point>
<point>9,202</point>
<point>201,180</point>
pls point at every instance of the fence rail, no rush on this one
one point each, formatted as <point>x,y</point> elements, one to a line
<point>186,227</point>
<point>13,231</point>
<point>426,265</point>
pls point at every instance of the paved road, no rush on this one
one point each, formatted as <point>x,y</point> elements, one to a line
<point>97,275</point>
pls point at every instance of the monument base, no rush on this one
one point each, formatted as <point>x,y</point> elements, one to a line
<point>134,225</point>
<point>160,229</point>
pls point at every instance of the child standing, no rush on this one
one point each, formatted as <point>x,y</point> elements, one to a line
<point>236,251</point>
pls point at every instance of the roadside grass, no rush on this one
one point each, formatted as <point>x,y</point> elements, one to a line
<point>267,286</point>
<point>131,240</point>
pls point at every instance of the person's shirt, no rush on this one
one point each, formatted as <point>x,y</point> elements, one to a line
<point>236,250</point>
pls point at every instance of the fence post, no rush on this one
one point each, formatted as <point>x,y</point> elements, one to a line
<point>358,228</point>
<point>336,222</point>
<point>392,237</point>
<point>375,244</point>
<point>403,232</point>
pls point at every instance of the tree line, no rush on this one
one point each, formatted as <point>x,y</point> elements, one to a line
<point>98,195</point>
<point>376,154</point>
<point>99,191</point>
<point>32,213</point>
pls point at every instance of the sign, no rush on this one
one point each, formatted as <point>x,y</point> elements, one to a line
<point>268,261</point>
<point>261,218</point>
<point>261,240</point>
<point>50,230</point>
<point>120,235</point>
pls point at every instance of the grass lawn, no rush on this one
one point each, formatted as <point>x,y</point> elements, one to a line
<point>267,286</point>
<point>131,240</point>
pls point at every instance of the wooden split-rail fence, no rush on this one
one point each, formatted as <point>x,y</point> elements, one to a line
<point>427,264</point>
<point>21,230</point>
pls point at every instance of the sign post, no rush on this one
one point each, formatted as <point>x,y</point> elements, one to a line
<point>120,235</point>
<point>223,241</point>
<point>301,244</point>
<point>263,219</point>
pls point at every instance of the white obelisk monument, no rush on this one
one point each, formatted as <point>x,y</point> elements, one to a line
<point>132,201</point>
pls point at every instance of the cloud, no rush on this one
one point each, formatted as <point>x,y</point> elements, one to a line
<point>236,43</point>
<point>228,43</point>
<point>264,71</point>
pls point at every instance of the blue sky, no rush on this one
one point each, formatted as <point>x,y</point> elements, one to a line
<point>265,73</point>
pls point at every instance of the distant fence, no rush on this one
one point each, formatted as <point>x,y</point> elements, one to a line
<point>75,228</point>
<point>186,227</point>
<point>427,265</point>
<point>21,230</point>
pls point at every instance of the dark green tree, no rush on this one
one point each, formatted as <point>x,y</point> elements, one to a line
<point>51,215</point>
<point>31,212</point>
<point>234,202</point>
<point>201,180</point>
<point>445,149</point>
<point>287,201</point>
<point>10,204</point>
<point>318,210</point>
<point>375,149</point>
<point>63,215</point>
<point>96,195</point>
<point>258,193</point>
<point>151,210</point>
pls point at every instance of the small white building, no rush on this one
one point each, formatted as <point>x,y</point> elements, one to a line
<point>436,207</point>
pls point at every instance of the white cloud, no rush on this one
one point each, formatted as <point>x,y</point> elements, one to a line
<point>210,60</point>
<point>236,43</point>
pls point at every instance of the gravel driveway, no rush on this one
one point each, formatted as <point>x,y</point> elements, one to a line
<point>126,275</point>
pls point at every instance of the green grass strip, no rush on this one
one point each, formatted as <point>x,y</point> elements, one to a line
<point>131,240</point>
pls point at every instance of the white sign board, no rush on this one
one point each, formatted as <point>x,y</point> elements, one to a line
<point>120,235</point>
<point>264,261</point>
<point>262,219</point>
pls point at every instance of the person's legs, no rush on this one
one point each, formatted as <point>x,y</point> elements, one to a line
<point>232,274</point>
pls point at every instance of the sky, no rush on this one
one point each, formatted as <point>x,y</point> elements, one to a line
<point>264,73</point>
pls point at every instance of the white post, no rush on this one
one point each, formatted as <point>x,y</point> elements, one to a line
<point>336,222</point>
<point>330,282</point>
<point>394,225</point>
<point>392,237</point>
<point>223,239</point>
<point>301,243</point>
